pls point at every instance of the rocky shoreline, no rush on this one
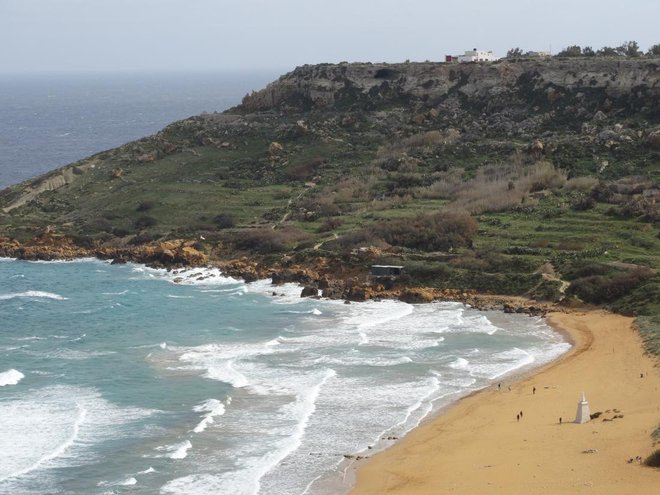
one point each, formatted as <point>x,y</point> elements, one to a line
<point>318,277</point>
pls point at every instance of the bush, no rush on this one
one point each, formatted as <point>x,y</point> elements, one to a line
<point>145,206</point>
<point>583,203</point>
<point>266,240</point>
<point>441,231</point>
<point>654,459</point>
<point>598,289</point>
<point>143,239</point>
<point>356,238</point>
<point>330,224</point>
<point>224,221</point>
<point>145,222</point>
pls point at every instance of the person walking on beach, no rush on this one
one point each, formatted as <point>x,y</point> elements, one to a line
<point>520,414</point>
<point>534,391</point>
<point>518,417</point>
<point>559,419</point>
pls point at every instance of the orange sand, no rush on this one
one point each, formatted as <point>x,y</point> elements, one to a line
<point>478,447</point>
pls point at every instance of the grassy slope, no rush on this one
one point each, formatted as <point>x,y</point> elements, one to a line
<point>338,184</point>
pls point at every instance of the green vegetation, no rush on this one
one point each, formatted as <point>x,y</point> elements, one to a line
<point>542,190</point>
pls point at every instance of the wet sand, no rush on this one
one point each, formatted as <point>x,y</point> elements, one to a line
<point>479,446</point>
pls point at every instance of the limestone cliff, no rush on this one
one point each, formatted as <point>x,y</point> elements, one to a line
<point>622,85</point>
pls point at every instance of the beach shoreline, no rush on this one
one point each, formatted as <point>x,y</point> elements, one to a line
<point>476,444</point>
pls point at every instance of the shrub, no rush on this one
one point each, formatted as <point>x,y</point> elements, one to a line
<point>143,238</point>
<point>224,221</point>
<point>600,289</point>
<point>353,239</point>
<point>145,206</point>
<point>145,222</point>
<point>583,203</point>
<point>266,240</point>
<point>330,224</point>
<point>441,231</point>
<point>654,459</point>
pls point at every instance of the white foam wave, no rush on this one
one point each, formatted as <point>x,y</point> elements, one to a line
<point>56,426</point>
<point>33,294</point>
<point>69,354</point>
<point>459,364</point>
<point>125,482</point>
<point>228,362</point>
<point>149,470</point>
<point>122,293</point>
<point>246,480</point>
<point>502,363</point>
<point>11,377</point>
<point>59,449</point>
<point>187,276</point>
<point>176,451</point>
<point>363,359</point>
<point>284,294</point>
<point>213,408</point>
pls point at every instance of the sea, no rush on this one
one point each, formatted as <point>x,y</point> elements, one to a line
<point>126,379</point>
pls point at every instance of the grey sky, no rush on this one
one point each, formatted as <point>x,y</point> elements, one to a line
<point>91,35</point>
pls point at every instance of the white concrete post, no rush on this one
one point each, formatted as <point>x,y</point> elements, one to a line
<point>583,413</point>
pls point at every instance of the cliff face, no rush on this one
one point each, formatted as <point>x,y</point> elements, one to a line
<point>621,85</point>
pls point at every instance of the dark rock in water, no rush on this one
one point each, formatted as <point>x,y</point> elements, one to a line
<point>309,292</point>
<point>357,294</point>
<point>118,261</point>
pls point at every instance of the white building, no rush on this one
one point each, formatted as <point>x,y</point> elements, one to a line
<point>475,55</point>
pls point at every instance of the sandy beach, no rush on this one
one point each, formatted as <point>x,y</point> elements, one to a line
<point>479,446</point>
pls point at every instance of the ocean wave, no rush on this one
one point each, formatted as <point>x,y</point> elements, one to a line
<point>187,276</point>
<point>33,294</point>
<point>459,364</point>
<point>68,354</point>
<point>213,408</point>
<point>362,359</point>
<point>11,377</point>
<point>124,482</point>
<point>176,451</point>
<point>283,294</point>
<point>122,293</point>
<point>57,425</point>
<point>314,312</point>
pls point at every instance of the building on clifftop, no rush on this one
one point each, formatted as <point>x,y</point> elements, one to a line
<point>475,55</point>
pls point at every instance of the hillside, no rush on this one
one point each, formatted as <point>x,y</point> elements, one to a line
<point>536,177</point>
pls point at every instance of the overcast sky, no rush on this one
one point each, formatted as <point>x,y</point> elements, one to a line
<point>211,35</point>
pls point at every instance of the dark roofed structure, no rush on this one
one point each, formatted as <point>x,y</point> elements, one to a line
<point>385,270</point>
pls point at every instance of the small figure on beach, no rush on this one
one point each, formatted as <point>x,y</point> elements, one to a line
<point>534,391</point>
<point>518,417</point>
<point>499,386</point>
<point>520,414</point>
<point>559,419</point>
<point>509,388</point>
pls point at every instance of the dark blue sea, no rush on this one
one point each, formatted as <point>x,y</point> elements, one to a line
<point>124,379</point>
<point>50,120</point>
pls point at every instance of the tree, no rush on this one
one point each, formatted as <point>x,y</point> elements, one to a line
<point>514,53</point>
<point>587,51</point>
<point>629,49</point>
<point>654,50</point>
<point>570,51</point>
<point>607,51</point>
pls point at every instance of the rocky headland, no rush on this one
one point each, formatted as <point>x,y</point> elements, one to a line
<point>534,178</point>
